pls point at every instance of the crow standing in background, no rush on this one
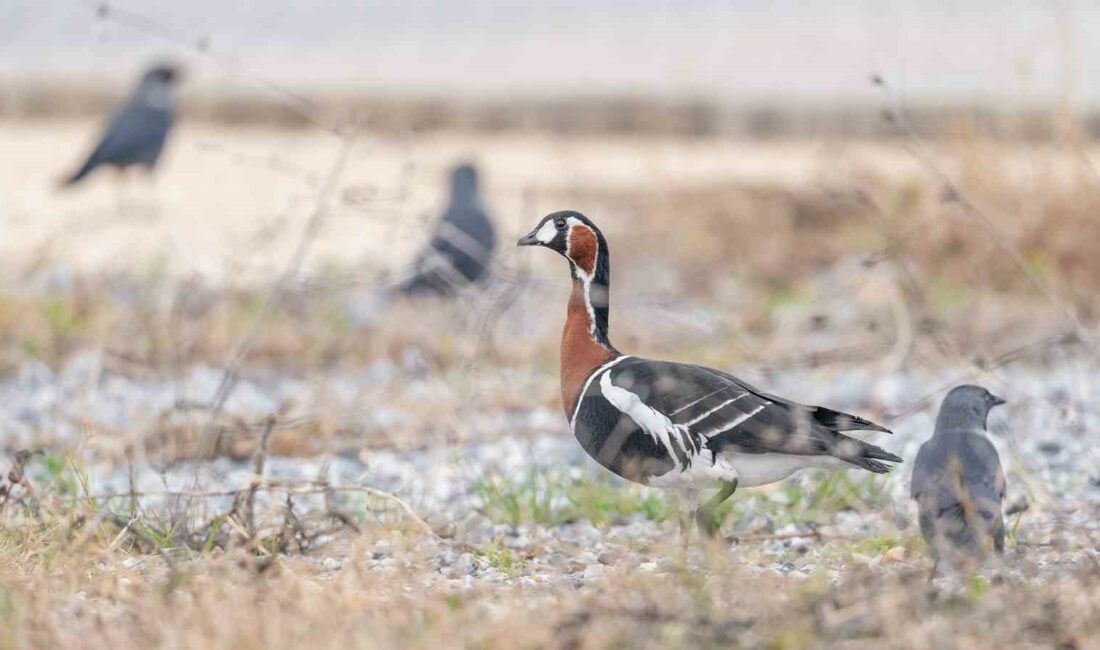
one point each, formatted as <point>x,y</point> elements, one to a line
<point>958,482</point>
<point>461,246</point>
<point>136,133</point>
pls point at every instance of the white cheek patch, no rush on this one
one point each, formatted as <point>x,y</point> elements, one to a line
<point>547,232</point>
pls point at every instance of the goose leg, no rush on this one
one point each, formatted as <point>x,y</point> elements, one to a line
<point>704,516</point>
<point>689,505</point>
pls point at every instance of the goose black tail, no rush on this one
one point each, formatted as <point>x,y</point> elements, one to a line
<point>870,458</point>
<point>840,421</point>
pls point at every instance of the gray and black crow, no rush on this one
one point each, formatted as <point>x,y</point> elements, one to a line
<point>958,482</point>
<point>461,246</point>
<point>136,133</point>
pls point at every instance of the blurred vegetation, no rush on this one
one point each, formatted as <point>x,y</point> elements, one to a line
<point>549,498</point>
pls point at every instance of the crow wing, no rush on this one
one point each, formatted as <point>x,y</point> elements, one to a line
<point>134,135</point>
<point>959,487</point>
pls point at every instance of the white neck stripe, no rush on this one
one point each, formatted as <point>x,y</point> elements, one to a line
<point>588,382</point>
<point>585,278</point>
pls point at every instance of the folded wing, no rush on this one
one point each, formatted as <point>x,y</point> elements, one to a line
<point>719,411</point>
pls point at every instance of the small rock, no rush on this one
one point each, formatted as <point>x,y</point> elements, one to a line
<point>381,549</point>
<point>895,554</point>
<point>83,371</point>
<point>774,547</point>
<point>466,564</point>
<point>866,560</point>
<point>475,529</point>
<point>520,541</point>
<point>556,559</point>
<point>132,562</point>
<point>583,533</point>
<point>1050,448</point>
<point>585,558</point>
<point>783,568</point>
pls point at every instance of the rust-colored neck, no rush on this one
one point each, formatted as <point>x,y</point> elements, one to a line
<point>581,353</point>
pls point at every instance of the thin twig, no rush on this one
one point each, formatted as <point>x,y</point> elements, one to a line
<point>785,536</point>
<point>258,461</point>
<point>279,289</point>
<point>295,489</point>
<point>1004,359</point>
<point>121,534</point>
<point>200,46</point>
<point>917,147</point>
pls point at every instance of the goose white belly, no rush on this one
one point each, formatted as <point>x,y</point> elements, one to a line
<point>761,469</point>
<point>750,470</point>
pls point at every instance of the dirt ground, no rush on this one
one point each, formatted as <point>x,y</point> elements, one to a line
<point>235,197</point>
<point>395,474</point>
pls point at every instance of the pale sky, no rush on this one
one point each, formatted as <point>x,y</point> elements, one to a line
<point>1001,52</point>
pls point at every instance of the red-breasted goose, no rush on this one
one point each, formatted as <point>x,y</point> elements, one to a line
<point>679,425</point>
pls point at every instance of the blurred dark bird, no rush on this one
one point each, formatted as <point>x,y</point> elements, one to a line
<point>17,476</point>
<point>958,482</point>
<point>136,133</point>
<point>461,246</point>
<point>679,425</point>
<point>19,463</point>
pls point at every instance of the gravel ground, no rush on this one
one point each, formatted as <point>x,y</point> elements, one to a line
<point>1042,433</point>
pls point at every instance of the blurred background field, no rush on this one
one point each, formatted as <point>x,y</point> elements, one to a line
<point>859,205</point>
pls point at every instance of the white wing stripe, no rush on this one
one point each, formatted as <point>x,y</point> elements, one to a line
<point>653,422</point>
<point>715,409</point>
<point>735,423</point>
<point>587,383</point>
<point>694,402</point>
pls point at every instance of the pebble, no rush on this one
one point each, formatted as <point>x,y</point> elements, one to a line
<point>593,572</point>
<point>38,404</point>
<point>381,549</point>
<point>1050,448</point>
<point>466,564</point>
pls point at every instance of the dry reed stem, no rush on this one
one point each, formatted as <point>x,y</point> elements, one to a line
<point>919,149</point>
<point>293,489</point>
<point>258,461</point>
<point>278,290</point>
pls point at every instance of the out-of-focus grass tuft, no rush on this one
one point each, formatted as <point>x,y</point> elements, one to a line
<point>501,557</point>
<point>806,499</point>
<point>547,498</point>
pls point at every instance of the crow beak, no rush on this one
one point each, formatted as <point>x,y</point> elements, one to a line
<point>529,240</point>
<point>997,401</point>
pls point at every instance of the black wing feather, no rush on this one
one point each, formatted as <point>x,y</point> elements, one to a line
<point>458,254</point>
<point>730,415</point>
<point>134,135</point>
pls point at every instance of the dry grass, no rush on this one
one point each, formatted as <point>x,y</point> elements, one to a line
<point>725,252</point>
<point>60,593</point>
<point>580,113</point>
